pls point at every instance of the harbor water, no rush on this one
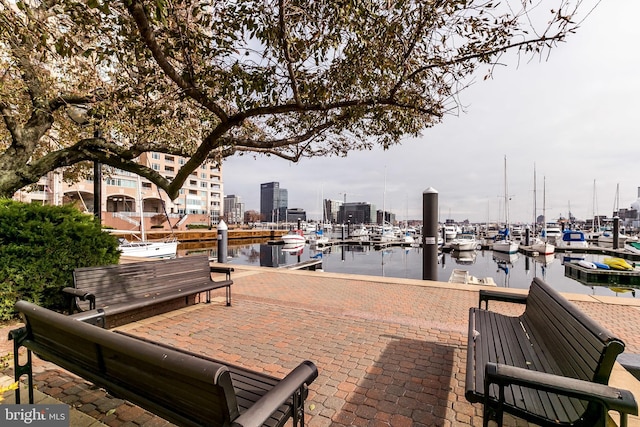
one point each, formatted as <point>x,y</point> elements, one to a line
<point>511,271</point>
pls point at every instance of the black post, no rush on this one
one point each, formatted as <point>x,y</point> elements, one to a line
<point>527,237</point>
<point>97,184</point>
<point>97,191</point>
<point>430,234</point>
<point>616,232</point>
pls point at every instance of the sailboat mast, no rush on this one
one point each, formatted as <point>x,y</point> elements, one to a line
<point>535,201</point>
<point>544,205</point>
<point>506,195</point>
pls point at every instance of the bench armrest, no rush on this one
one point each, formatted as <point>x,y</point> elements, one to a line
<point>608,397</point>
<point>93,317</point>
<point>293,385</point>
<point>82,295</point>
<point>218,269</point>
<point>487,295</point>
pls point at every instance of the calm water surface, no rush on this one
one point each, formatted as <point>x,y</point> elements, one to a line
<point>514,271</point>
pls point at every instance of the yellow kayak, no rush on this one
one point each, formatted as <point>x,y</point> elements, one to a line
<point>618,264</point>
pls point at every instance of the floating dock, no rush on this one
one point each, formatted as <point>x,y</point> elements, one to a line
<point>598,277</point>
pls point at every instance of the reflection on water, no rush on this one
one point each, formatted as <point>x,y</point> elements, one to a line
<point>515,270</point>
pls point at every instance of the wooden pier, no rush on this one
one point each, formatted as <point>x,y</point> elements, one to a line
<point>311,264</point>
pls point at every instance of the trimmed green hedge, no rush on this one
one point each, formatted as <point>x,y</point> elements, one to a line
<point>39,248</point>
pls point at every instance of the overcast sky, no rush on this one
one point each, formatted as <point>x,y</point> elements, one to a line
<point>575,116</point>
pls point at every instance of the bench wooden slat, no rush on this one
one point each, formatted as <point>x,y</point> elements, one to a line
<point>551,336</point>
<point>182,387</point>
<point>159,285</point>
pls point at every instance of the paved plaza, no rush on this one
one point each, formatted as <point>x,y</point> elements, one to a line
<point>390,352</point>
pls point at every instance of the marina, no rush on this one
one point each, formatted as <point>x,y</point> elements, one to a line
<point>402,260</point>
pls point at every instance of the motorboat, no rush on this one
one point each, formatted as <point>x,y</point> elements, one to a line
<point>464,242</point>
<point>148,248</point>
<point>552,232</point>
<point>294,237</point>
<point>572,239</point>
<point>632,246</point>
<point>451,231</point>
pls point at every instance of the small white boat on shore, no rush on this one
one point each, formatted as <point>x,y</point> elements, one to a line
<point>148,249</point>
<point>463,277</point>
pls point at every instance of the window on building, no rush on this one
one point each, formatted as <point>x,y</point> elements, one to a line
<point>155,156</point>
<point>194,192</point>
<point>121,182</point>
<point>169,168</point>
<point>181,161</point>
<point>169,159</point>
<point>155,166</point>
<point>193,182</point>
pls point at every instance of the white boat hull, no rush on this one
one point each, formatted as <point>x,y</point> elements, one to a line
<point>465,246</point>
<point>543,248</point>
<point>291,239</point>
<point>505,247</point>
<point>149,249</point>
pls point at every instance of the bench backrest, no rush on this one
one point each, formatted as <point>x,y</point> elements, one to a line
<point>181,388</point>
<point>581,347</point>
<point>118,283</point>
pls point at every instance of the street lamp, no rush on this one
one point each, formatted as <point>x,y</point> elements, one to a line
<point>79,114</point>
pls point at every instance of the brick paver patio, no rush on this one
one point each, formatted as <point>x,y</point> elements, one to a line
<point>389,351</point>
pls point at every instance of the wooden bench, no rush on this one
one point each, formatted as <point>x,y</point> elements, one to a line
<point>129,292</point>
<point>182,387</point>
<point>550,365</point>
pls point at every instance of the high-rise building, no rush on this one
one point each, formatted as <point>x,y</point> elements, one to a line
<point>123,192</point>
<point>356,213</point>
<point>330,212</point>
<point>233,209</point>
<point>273,202</point>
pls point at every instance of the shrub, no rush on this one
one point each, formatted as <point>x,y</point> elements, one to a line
<point>195,226</point>
<point>39,248</point>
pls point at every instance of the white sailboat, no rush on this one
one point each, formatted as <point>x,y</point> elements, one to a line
<point>503,242</point>
<point>542,246</point>
<point>144,248</point>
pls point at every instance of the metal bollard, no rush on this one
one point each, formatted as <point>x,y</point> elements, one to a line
<point>222,241</point>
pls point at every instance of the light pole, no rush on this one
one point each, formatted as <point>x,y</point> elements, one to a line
<point>79,115</point>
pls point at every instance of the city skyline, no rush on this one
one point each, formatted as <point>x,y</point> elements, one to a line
<point>570,115</point>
